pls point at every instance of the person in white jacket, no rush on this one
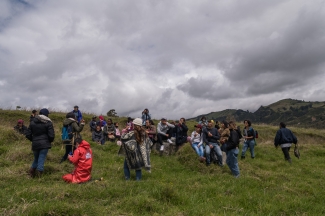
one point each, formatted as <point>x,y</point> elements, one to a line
<point>197,141</point>
<point>164,132</point>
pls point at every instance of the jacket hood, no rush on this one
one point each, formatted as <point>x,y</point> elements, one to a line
<point>84,144</point>
<point>68,121</point>
<point>42,118</point>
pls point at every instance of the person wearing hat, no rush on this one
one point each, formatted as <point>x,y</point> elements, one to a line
<point>101,121</point>
<point>70,120</point>
<point>20,127</point>
<point>77,113</point>
<point>197,141</point>
<point>93,124</point>
<point>136,149</point>
<point>32,116</point>
<point>41,133</point>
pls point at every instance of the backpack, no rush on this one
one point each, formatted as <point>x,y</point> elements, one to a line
<point>256,134</point>
<point>67,134</point>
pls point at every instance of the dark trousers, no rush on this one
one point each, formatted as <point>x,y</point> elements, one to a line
<point>286,153</point>
<point>162,137</point>
<point>68,149</point>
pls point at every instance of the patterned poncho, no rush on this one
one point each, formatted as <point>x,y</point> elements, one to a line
<point>137,155</point>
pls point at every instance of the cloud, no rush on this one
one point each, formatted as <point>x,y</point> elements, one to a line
<point>178,58</point>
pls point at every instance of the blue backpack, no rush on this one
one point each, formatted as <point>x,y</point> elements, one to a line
<point>67,134</point>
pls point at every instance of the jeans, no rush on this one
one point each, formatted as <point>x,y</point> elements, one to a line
<point>39,159</point>
<point>286,153</point>
<point>248,144</point>
<point>216,149</point>
<point>198,150</point>
<point>127,174</point>
<point>232,161</point>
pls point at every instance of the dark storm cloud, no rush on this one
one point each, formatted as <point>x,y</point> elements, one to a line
<point>177,58</point>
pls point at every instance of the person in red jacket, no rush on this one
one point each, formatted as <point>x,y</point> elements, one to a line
<point>82,158</point>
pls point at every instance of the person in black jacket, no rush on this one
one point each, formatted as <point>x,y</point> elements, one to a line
<point>41,133</point>
<point>181,132</point>
<point>284,137</point>
<point>93,123</point>
<point>232,149</point>
<point>210,138</point>
<point>32,116</point>
<point>98,136</point>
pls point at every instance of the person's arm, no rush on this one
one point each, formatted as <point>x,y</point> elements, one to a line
<point>277,138</point>
<point>102,136</point>
<point>75,157</point>
<point>29,134</point>
<point>93,136</point>
<point>152,130</point>
<point>193,136</point>
<point>170,125</point>
<point>201,140</point>
<point>79,116</point>
<point>294,138</point>
<point>76,127</point>
<point>216,135</point>
<point>185,128</point>
<point>50,132</point>
<point>205,139</point>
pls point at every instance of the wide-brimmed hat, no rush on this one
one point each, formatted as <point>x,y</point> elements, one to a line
<point>137,121</point>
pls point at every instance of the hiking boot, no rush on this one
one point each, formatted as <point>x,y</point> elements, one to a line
<point>242,157</point>
<point>39,174</point>
<point>32,172</point>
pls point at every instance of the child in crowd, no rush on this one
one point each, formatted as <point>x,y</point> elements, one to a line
<point>98,136</point>
<point>197,141</point>
<point>117,133</point>
<point>129,126</point>
<point>109,131</point>
<point>82,158</point>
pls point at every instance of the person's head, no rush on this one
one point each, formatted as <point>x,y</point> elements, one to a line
<point>116,124</point>
<point>224,124</point>
<point>130,119</point>
<point>282,125</point>
<point>34,112</point>
<point>151,122</point>
<point>109,121</point>
<point>203,118</point>
<point>20,122</point>
<point>163,121</point>
<point>146,111</point>
<point>44,111</point>
<point>101,118</point>
<point>98,128</point>
<point>148,123</point>
<point>78,141</point>
<point>75,108</point>
<point>247,123</point>
<point>198,128</point>
<point>232,125</point>
<point>70,115</point>
<point>182,120</point>
<point>94,118</point>
<point>210,124</point>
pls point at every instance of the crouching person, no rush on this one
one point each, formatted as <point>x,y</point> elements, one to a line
<point>82,158</point>
<point>232,150</point>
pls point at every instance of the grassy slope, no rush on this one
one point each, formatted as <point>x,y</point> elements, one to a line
<point>178,184</point>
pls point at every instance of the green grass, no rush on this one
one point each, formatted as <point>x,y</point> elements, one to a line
<point>178,184</point>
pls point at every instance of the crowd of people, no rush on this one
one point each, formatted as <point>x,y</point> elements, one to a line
<point>213,142</point>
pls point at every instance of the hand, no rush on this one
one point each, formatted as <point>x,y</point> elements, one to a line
<point>211,146</point>
<point>167,135</point>
<point>209,134</point>
<point>195,134</point>
<point>82,121</point>
<point>147,132</point>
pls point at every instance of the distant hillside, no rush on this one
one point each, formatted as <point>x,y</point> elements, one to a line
<point>290,111</point>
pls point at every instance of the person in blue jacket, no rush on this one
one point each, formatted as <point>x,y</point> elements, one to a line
<point>77,113</point>
<point>284,137</point>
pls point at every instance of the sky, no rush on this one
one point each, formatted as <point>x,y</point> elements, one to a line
<point>177,58</point>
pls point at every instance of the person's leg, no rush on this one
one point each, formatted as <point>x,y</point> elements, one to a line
<point>41,159</point>
<point>251,148</point>
<point>138,174</point>
<point>224,157</point>
<point>160,138</point>
<point>201,154</point>
<point>196,149</point>
<point>243,151</point>
<point>232,162</point>
<point>67,178</point>
<point>207,152</point>
<point>35,162</point>
<point>68,149</point>
<point>218,151</point>
<point>285,151</point>
<point>126,171</point>
<point>102,141</point>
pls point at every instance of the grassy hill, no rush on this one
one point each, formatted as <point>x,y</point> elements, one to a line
<point>178,185</point>
<point>293,112</point>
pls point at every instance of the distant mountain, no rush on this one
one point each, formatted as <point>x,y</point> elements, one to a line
<point>290,111</point>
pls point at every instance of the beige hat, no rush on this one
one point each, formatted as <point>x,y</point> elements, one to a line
<point>137,121</point>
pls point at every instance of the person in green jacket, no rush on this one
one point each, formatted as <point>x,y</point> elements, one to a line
<point>76,129</point>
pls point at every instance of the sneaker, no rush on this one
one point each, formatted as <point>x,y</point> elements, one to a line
<point>169,141</point>
<point>162,148</point>
<point>237,176</point>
